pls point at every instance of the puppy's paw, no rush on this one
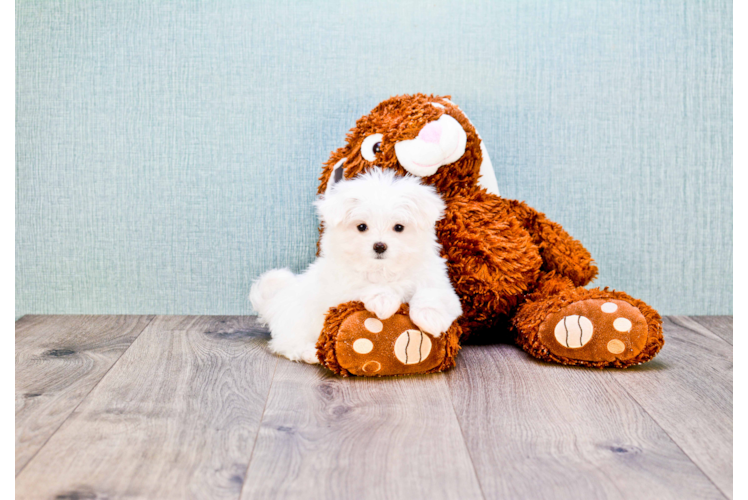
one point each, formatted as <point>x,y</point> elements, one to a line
<point>431,320</point>
<point>382,304</point>
<point>309,355</point>
<point>296,352</point>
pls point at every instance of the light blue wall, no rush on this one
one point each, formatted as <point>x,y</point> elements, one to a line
<point>740,112</point>
<point>168,151</point>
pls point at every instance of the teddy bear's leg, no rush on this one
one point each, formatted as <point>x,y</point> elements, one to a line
<point>355,342</point>
<point>576,326</point>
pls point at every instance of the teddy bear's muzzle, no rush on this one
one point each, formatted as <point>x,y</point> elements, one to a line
<point>438,143</point>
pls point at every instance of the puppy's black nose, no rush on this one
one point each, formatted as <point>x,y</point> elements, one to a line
<point>380,247</point>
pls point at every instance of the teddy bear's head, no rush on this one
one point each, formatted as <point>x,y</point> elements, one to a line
<point>425,135</point>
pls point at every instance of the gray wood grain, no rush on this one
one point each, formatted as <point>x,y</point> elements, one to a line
<point>721,325</point>
<point>180,415</point>
<point>59,359</point>
<point>328,437</point>
<point>176,417</point>
<point>539,430</point>
<point>687,389</point>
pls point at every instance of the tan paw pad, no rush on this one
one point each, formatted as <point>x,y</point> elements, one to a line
<point>373,325</point>
<point>363,346</point>
<point>412,347</point>
<point>616,346</point>
<point>573,331</point>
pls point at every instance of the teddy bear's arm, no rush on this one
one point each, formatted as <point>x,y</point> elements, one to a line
<point>491,258</point>
<point>560,252</point>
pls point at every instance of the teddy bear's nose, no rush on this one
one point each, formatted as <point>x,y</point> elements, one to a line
<point>432,132</point>
<point>380,247</point>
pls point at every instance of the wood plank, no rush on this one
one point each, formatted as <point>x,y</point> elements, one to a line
<point>329,437</point>
<point>59,359</point>
<point>175,418</point>
<point>689,323</point>
<point>720,325</point>
<point>539,430</point>
<point>687,389</point>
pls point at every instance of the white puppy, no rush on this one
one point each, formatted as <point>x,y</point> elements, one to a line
<point>379,246</point>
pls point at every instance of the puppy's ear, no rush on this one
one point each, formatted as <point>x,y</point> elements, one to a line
<point>334,208</point>
<point>428,206</point>
<point>337,175</point>
<point>432,207</point>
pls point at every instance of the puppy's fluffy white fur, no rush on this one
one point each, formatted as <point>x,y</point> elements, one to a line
<point>357,215</point>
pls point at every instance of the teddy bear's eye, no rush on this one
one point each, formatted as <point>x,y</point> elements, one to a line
<point>399,228</point>
<point>362,227</point>
<point>371,146</point>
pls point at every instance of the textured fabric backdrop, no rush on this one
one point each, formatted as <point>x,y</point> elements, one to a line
<point>168,151</point>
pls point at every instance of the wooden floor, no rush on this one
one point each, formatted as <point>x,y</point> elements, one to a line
<point>196,407</point>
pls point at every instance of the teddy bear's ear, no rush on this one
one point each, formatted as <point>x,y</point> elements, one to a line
<point>337,175</point>
<point>487,177</point>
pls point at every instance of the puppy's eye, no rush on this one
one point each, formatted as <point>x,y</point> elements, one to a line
<point>399,228</point>
<point>362,227</point>
<point>371,146</point>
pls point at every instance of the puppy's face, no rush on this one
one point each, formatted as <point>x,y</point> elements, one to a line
<point>379,221</point>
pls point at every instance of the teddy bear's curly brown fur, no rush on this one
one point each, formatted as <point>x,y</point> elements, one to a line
<point>515,271</point>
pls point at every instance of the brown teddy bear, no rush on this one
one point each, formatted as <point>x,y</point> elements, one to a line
<point>516,272</point>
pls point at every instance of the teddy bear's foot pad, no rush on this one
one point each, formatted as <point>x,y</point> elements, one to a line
<point>597,330</point>
<point>366,345</point>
